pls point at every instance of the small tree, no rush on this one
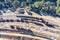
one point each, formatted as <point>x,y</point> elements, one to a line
<point>36,7</point>
<point>23,4</point>
<point>48,3</point>
<point>58,7</point>
<point>15,3</point>
<point>58,3</point>
<point>58,11</point>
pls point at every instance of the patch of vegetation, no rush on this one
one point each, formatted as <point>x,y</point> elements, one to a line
<point>42,7</point>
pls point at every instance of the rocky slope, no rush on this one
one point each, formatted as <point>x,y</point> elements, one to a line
<point>19,25</point>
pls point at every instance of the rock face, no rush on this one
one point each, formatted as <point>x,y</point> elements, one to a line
<point>28,27</point>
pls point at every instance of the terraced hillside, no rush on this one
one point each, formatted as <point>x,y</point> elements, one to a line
<point>29,27</point>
